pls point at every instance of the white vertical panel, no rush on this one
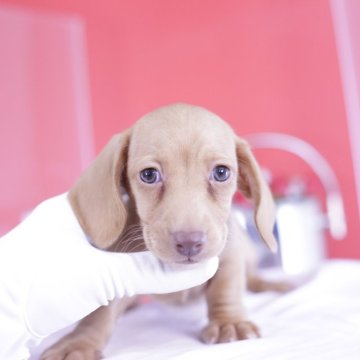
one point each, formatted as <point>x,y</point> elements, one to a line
<point>346,19</point>
<point>46,134</point>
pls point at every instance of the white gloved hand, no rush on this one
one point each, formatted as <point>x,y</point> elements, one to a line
<point>73,285</point>
<point>51,277</point>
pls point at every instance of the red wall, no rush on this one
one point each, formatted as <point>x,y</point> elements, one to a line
<point>261,65</point>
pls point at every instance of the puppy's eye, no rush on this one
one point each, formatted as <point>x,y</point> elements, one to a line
<point>220,173</point>
<point>150,176</point>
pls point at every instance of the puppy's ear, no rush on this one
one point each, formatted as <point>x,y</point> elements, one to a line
<point>96,197</point>
<point>253,185</point>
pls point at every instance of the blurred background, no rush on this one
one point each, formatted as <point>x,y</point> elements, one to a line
<point>74,72</point>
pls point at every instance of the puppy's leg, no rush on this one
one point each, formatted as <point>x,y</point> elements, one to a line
<point>257,284</point>
<point>254,280</point>
<point>227,316</point>
<point>89,338</point>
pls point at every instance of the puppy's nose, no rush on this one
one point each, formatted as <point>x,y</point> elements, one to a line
<point>189,243</point>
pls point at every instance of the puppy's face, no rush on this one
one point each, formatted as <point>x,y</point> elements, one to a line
<point>181,165</point>
<point>182,172</point>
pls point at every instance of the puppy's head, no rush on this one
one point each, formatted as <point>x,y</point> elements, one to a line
<point>181,165</point>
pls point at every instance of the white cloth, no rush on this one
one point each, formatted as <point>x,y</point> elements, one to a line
<point>51,277</point>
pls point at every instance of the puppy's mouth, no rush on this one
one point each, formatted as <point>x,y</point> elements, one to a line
<point>182,248</point>
<point>187,261</point>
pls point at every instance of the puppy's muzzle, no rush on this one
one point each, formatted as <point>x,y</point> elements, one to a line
<point>189,243</point>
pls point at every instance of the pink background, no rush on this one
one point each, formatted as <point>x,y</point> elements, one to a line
<point>262,65</point>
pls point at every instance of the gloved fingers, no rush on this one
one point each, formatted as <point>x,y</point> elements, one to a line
<point>143,273</point>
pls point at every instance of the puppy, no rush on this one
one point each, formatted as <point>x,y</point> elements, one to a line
<point>166,185</point>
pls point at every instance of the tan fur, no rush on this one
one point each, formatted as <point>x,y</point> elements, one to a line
<point>185,143</point>
<point>96,196</point>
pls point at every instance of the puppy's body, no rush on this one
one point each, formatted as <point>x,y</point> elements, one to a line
<point>179,168</point>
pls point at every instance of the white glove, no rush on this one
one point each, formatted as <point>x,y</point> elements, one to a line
<point>51,277</point>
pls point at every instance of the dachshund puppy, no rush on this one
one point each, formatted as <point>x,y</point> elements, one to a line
<point>166,185</point>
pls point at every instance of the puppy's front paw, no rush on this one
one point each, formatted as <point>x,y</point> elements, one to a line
<point>73,347</point>
<point>219,332</point>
